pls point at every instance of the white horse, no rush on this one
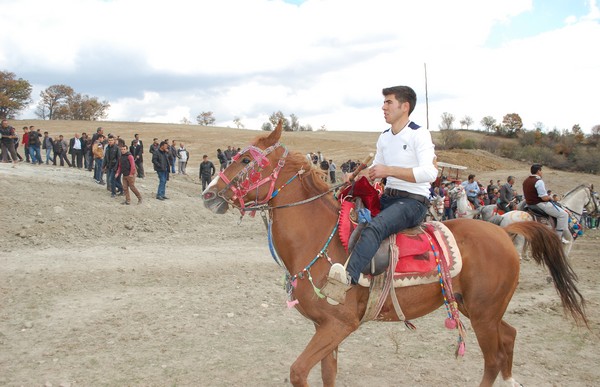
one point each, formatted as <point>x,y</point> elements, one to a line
<point>575,201</point>
<point>464,209</point>
<point>436,209</point>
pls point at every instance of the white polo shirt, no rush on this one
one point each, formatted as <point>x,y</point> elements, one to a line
<point>412,148</point>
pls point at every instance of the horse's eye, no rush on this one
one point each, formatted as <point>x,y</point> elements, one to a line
<point>246,160</point>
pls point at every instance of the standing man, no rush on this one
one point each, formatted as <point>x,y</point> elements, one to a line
<point>207,171</point>
<point>98,152</point>
<point>160,160</point>
<point>60,151</point>
<point>332,169</point>
<point>7,142</point>
<point>536,194</point>
<point>112,154</point>
<point>405,158</point>
<point>173,155</point>
<point>222,159</point>
<point>154,146</point>
<point>182,158</point>
<point>76,151</point>
<point>472,190</point>
<point>25,143</point>
<point>506,196</point>
<point>137,150</point>
<point>48,145</point>
<point>127,170</point>
<point>34,146</point>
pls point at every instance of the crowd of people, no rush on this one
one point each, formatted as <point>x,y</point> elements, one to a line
<point>113,162</point>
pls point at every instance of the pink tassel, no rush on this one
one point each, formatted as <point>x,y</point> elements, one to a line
<point>294,283</point>
<point>450,323</point>
<point>291,304</point>
<point>461,349</point>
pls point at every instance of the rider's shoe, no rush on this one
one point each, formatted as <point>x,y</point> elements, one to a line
<point>563,240</point>
<point>338,283</point>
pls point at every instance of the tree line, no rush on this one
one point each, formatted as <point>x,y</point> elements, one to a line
<point>569,149</point>
<point>58,102</point>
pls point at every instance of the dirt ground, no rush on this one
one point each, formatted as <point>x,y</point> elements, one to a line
<point>166,293</point>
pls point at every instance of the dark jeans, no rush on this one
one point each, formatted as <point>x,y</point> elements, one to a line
<point>205,182</point>
<point>474,201</point>
<point>396,214</point>
<point>162,183</point>
<point>98,169</point>
<point>27,154</point>
<point>113,182</point>
<point>35,154</point>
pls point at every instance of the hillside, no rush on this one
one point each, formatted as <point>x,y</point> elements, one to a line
<point>339,146</point>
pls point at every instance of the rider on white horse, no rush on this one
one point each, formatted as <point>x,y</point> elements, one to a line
<point>472,190</point>
<point>536,195</point>
<point>506,201</point>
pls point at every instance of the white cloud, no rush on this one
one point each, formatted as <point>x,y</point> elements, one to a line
<point>325,60</point>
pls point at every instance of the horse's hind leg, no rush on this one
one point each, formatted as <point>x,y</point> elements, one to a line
<point>507,337</point>
<point>488,335</point>
<point>329,368</point>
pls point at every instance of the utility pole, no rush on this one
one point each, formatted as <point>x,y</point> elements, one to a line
<point>426,97</point>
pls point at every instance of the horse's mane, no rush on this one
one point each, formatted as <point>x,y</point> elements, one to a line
<point>580,186</point>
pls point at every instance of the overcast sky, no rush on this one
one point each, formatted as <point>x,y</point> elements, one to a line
<point>325,61</point>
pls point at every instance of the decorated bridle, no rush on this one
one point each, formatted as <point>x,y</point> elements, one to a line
<point>250,177</point>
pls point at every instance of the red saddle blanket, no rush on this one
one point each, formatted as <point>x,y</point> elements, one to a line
<point>416,253</point>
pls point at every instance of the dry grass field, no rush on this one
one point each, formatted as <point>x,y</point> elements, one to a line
<point>93,293</point>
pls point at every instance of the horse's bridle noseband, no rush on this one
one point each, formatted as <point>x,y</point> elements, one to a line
<point>250,178</point>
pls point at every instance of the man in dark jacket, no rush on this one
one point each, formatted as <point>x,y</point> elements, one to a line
<point>137,150</point>
<point>160,160</point>
<point>7,142</point>
<point>76,151</point>
<point>34,146</point>
<point>112,154</point>
<point>207,171</point>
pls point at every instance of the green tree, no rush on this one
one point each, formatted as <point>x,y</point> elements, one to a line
<point>15,94</point>
<point>274,120</point>
<point>267,127</point>
<point>205,118</point>
<point>466,122</point>
<point>447,121</point>
<point>488,122</point>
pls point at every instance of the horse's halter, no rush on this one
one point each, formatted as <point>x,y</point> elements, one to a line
<point>250,177</point>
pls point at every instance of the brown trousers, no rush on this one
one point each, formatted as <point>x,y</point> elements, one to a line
<point>129,183</point>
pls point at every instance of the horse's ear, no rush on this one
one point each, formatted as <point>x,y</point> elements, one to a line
<point>276,134</point>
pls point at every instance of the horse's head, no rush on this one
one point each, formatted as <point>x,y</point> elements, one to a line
<point>250,179</point>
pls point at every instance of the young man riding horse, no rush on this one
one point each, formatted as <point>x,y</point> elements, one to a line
<point>405,157</point>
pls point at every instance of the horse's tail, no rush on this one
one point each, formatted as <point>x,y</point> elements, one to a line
<point>547,250</point>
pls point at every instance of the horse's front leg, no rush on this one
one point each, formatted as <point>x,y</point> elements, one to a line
<point>322,347</point>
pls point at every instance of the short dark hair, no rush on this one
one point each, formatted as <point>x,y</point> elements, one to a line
<point>163,143</point>
<point>402,94</point>
<point>471,176</point>
<point>535,168</point>
<point>510,178</point>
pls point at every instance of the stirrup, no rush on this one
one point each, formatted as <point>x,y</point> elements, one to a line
<point>337,284</point>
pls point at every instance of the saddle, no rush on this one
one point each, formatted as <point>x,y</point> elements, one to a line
<point>540,216</point>
<point>419,249</point>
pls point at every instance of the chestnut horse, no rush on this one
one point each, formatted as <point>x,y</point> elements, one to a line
<point>301,214</point>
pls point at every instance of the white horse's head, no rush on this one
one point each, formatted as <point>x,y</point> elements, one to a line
<point>580,198</point>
